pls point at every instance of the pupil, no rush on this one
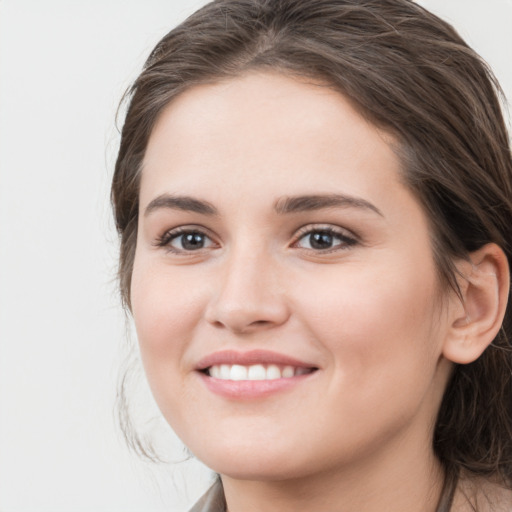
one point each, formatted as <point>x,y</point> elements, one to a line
<point>320,240</point>
<point>192,241</point>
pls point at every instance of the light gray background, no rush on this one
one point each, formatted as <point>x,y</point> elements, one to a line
<point>63,67</point>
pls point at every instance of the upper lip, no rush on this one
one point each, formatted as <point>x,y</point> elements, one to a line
<point>250,357</point>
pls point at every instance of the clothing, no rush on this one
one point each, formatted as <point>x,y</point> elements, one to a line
<point>213,500</point>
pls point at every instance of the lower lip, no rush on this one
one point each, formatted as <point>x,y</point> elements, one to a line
<point>251,389</point>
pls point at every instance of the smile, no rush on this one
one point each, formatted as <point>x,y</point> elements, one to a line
<point>254,374</point>
<point>237,372</point>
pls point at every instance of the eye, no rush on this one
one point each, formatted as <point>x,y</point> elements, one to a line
<point>191,241</point>
<point>324,239</point>
<point>182,240</point>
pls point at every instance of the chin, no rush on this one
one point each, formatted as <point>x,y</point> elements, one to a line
<point>253,463</point>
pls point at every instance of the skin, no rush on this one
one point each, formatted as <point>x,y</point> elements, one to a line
<point>370,314</point>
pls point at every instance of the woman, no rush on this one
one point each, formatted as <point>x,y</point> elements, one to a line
<point>315,208</point>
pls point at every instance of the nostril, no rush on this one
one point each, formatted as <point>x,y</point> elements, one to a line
<point>246,313</point>
<point>260,322</point>
<point>241,327</point>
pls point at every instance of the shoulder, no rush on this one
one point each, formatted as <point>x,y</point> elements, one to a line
<point>480,494</point>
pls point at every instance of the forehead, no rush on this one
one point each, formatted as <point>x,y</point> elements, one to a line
<point>265,129</point>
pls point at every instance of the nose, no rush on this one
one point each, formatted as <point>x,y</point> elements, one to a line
<point>248,297</point>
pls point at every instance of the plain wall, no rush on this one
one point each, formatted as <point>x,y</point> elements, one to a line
<point>63,68</point>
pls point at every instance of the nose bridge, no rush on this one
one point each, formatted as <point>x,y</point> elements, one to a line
<point>248,295</point>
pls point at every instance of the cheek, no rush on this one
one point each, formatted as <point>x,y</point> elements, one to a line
<point>166,308</point>
<point>376,326</point>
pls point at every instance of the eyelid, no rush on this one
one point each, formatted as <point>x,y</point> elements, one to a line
<point>164,240</point>
<point>348,237</point>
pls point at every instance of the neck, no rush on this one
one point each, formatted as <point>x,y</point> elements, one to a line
<point>405,481</point>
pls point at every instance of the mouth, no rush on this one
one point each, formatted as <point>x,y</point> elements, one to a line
<point>238,372</point>
<point>252,374</point>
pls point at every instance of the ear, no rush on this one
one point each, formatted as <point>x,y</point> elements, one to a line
<point>475,322</point>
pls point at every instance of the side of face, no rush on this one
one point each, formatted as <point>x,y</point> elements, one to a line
<point>273,220</point>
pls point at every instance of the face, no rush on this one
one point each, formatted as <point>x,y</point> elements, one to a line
<point>284,290</point>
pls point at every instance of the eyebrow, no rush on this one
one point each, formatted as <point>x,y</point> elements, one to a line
<point>307,203</point>
<point>183,203</point>
<point>293,204</point>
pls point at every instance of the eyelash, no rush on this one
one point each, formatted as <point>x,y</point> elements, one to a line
<point>346,241</point>
<point>169,236</point>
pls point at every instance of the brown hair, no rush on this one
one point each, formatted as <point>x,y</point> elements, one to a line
<point>408,72</point>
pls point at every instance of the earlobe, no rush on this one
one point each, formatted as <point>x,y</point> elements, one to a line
<point>476,321</point>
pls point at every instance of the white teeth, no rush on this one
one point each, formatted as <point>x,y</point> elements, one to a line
<point>225,371</point>
<point>255,372</point>
<point>238,372</point>
<point>288,371</point>
<point>273,372</point>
